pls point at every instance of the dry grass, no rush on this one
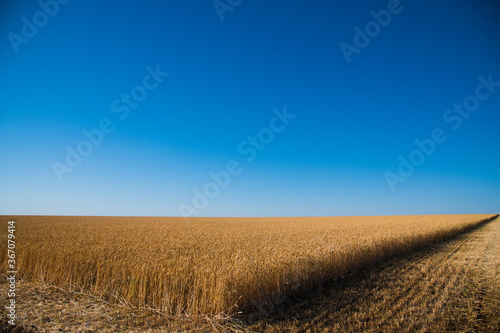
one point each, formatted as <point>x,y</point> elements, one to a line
<point>212,266</point>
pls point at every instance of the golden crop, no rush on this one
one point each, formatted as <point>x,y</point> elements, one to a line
<point>212,265</point>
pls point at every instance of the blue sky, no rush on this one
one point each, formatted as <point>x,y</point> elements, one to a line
<point>262,94</point>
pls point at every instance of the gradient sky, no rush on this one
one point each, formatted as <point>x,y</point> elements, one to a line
<point>353,120</point>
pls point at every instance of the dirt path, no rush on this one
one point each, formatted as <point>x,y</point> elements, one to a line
<point>453,286</point>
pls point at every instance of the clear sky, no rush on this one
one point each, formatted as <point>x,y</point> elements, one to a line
<point>249,108</point>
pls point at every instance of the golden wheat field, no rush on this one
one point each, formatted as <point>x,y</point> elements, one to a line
<point>212,266</point>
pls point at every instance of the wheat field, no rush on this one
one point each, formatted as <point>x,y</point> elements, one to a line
<point>212,266</point>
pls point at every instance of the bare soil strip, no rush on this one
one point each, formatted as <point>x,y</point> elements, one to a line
<point>451,286</point>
